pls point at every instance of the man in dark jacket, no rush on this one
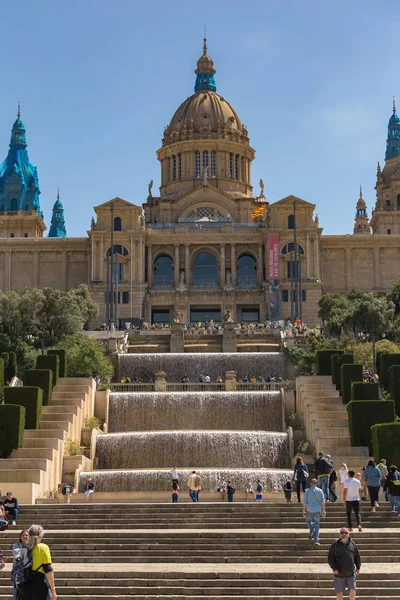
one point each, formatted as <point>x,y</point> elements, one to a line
<point>344,560</point>
<point>323,467</point>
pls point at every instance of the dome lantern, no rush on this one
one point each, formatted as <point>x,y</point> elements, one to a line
<point>205,72</point>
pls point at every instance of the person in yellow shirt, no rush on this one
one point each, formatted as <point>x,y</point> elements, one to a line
<point>38,587</point>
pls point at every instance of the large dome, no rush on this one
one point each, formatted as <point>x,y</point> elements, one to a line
<point>205,114</point>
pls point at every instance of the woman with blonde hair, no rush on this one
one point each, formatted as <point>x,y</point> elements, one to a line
<point>344,474</point>
<point>42,579</point>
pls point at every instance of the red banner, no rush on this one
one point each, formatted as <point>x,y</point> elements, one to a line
<point>273,256</point>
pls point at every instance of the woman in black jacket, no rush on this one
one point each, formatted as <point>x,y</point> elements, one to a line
<point>392,485</point>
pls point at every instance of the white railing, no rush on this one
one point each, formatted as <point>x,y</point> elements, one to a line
<point>132,387</point>
<point>195,386</point>
<point>258,386</point>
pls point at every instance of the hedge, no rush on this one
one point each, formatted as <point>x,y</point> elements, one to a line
<point>348,374</point>
<point>1,378</point>
<point>386,360</point>
<point>323,361</point>
<point>335,370</point>
<point>12,422</point>
<point>346,359</point>
<point>386,442</point>
<point>365,413</point>
<point>29,397</point>
<point>43,379</point>
<point>62,355</point>
<point>49,361</point>
<point>364,391</point>
<point>394,386</point>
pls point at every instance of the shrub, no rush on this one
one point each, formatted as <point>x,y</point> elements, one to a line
<point>386,360</point>
<point>72,448</point>
<point>93,423</point>
<point>12,422</point>
<point>348,374</point>
<point>394,386</point>
<point>62,355</point>
<point>29,397</point>
<point>49,361</point>
<point>323,361</point>
<point>364,391</point>
<point>365,413</point>
<point>5,358</point>
<point>42,378</point>
<point>346,359</point>
<point>12,366</point>
<point>386,442</point>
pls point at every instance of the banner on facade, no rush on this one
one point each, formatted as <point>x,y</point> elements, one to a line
<point>273,276</point>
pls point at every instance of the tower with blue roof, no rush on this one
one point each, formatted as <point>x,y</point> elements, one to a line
<point>57,227</point>
<point>19,184</point>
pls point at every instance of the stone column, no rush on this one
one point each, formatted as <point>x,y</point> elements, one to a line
<point>348,270</point>
<point>160,383</point>
<point>317,257</point>
<point>176,265</point>
<point>308,257</point>
<point>150,265</point>
<point>260,267</point>
<point>187,265</point>
<point>177,339</point>
<point>35,269</point>
<point>230,381</point>
<point>233,263</point>
<point>92,259</point>
<point>222,264</point>
<point>229,341</point>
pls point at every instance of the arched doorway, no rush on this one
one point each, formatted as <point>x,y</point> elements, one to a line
<point>163,270</point>
<point>246,270</point>
<point>205,269</point>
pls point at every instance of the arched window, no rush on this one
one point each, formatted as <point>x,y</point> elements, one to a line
<point>398,201</point>
<point>290,222</point>
<point>117,224</point>
<point>163,271</point>
<point>246,270</point>
<point>179,166</point>
<point>205,269</point>
<point>237,166</point>
<point>13,204</point>
<point>197,163</point>
<point>290,248</point>
<point>118,249</point>
<point>231,165</point>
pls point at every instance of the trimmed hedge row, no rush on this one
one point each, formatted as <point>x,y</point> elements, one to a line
<point>49,361</point>
<point>364,391</point>
<point>43,379</point>
<point>12,422</point>
<point>335,370</point>
<point>1,378</point>
<point>386,360</point>
<point>10,365</point>
<point>348,374</point>
<point>363,414</point>
<point>62,355</point>
<point>394,386</point>
<point>386,442</point>
<point>31,398</point>
<point>323,361</point>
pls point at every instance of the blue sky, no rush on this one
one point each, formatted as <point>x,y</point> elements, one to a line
<point>98,80</point>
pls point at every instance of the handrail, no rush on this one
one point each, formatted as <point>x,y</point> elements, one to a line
<point>197,386</point>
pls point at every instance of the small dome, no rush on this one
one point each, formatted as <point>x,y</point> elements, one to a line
<point>208,110</point>
<point>394,119</point>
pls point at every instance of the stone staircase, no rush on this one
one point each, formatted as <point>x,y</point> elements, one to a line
<point>36,468</point>
<point>216,550</point>
<point>326,422</point>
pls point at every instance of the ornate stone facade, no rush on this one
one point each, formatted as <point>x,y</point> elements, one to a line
<point>202,247</point>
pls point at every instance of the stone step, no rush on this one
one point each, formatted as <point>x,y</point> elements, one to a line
<point>22,475</point>
<point>59,410</point>
<point>61,401</point>
<point>65,424</point>
<point>56,432</point>
<point>24,453</point>
<point>42,442</point>
<point>57,417</point>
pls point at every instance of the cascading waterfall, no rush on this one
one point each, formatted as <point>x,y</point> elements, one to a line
<point>236,435</point>
<point>246,364</point>
<point>162,449</point>
<point>195,410</point>
<point>157,480</point>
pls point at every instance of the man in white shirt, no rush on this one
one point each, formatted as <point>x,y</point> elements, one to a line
<point>351,499</point>
<point>174,475</point>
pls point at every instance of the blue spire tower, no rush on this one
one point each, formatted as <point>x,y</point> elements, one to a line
<point>19,184</point>
<point>393,139</point>
<point>57,227</point>
<point>205,72</point>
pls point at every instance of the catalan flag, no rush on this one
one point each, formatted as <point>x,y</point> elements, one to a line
<point>258,212</point>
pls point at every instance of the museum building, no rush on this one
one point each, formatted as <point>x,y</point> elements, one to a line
<point>206,244</point>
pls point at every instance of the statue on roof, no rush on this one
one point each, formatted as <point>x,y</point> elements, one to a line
<point>150,188</point>
<point>262,188</point>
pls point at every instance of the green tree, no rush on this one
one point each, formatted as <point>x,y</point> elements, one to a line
<point>371,315</point>
<point>363,352</point>
<point>86,357</point>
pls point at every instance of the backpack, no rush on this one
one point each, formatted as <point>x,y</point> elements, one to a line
<point>334,475</point>
<point>233,489</point>
<point>22,566</point>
